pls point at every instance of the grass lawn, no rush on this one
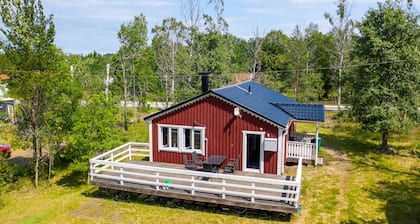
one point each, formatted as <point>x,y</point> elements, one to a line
<point>358,184</point>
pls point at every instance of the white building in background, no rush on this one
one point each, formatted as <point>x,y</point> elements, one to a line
<point>7,109</point>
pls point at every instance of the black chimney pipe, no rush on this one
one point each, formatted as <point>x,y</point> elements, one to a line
<point>204,81</point>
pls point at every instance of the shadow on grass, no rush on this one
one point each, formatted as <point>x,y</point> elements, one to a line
<point>352,145</point>
<point>402,201</point>
<point>73,179</point>
<point>186,204</point>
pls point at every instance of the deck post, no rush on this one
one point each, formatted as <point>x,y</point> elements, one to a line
<point>192,185</point>
<point>253,192</point>
<point>112,160</point>
<point>316,145</point>
<point>129,152</point>
<point>91,171</point>
<point>223,189</point>
<point>157,181</point>
<point>121,176</point>
<point>298,180</point>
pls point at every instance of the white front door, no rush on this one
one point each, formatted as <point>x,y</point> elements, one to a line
<point>253,153</point>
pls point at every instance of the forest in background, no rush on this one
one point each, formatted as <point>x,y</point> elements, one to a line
<point>69,104</point>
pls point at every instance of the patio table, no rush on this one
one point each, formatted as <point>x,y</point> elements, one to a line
<point>213,163</point>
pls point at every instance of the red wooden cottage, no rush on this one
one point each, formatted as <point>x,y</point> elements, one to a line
<point>246,120</point>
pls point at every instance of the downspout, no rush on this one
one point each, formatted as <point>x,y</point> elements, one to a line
<point>280,152</point>
<point>316,146</point>
<point>282,144</point>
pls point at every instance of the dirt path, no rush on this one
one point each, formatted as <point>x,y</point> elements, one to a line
<point>342,166</point>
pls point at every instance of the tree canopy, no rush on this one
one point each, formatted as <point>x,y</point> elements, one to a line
<point>385,90</point>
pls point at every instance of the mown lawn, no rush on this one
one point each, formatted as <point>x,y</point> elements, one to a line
<point>358,184</point>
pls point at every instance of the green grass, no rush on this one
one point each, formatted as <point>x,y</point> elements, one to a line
<point>137,132</point>
<point>359,184</point>
<point>362,184</point>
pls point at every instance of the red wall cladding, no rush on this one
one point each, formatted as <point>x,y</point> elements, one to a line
<point>223,130</point>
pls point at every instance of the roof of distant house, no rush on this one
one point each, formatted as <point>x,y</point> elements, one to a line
<point>262,101</point>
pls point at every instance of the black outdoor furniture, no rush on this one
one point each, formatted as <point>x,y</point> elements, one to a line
<point>189,164</point>
<point>231,165</point>
<point>213,163</point>
<point>196,159</point>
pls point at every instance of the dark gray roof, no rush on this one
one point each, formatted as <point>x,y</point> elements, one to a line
<point>261,101</point>
<point>306,112</point>
<point>269,104</point>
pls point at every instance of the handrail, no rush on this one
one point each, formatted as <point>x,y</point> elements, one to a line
<point>299,179</point>
<point>297,149</point>
<point>111,166</point>
<point>128,144</point>
<point>190,172</point>
<point>187,180</point>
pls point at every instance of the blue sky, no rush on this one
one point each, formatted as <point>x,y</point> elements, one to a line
<point>83,26</point>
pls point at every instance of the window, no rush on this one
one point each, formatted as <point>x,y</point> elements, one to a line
<point>187,139</point>
<point>197,139</point>
<point>165,138</point>
<point>181,138</point>
<point>174,137</point>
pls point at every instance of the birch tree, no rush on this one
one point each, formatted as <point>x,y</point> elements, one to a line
<point>133,40</point>
<point>167,40</point>
<point>342,30</point>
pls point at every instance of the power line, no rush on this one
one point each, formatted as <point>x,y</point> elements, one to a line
<point>258,73</point>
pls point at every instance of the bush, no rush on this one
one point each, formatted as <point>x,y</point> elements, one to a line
<point>7,174</point>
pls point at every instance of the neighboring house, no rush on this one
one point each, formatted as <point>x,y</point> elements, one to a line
<point>6,104</point>
<point>246,120</point>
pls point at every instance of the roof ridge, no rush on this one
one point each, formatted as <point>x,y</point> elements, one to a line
<point>233,85</point>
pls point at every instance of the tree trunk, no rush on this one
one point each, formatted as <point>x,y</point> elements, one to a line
<point>340,70</point>
<point>125,95</point>
<point>173,71</point>
<point>166,90</point>
<point>296,85</point>
<point>384,145</point>
<point>35,144</point>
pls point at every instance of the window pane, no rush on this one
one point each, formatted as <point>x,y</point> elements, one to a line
<point>187,140</point>
<point>174,137</point>
<point>197,139</point>
<point>165,137</point>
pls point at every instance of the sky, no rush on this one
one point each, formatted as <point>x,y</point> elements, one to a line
<point>84,26</point>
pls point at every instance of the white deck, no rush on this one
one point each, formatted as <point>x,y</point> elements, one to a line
<point>118,169</point>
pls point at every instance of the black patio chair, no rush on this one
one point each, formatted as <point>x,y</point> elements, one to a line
<point>231,165</point>
<point>198,161</point>
<point>189,164</point>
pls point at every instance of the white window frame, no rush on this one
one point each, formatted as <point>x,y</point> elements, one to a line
<point>181,139</point>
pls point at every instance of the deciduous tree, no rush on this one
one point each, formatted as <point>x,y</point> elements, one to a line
<point>342,31</point>
<point>386,89</point>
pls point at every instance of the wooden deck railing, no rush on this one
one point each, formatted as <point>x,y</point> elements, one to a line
<point>301,150</point>
<point>122,153</point>
<point>111,166</point>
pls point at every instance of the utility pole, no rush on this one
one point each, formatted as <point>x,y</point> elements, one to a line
<point>71,70</point>
<point>107,81</point>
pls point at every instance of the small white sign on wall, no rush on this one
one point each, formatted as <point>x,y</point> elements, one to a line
<point>270,144</point>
